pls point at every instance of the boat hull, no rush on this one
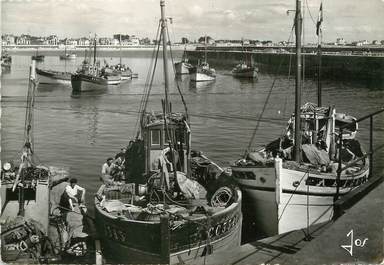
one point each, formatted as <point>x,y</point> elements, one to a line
<point>201,77</point>
<point>281,201</point>
<point>86,83</point>
<point>53,77</point>
<point>247,73</point>
<point>38,58</point>
<point>181,68</point>
<point>129,241</point>
<point>68,57</point>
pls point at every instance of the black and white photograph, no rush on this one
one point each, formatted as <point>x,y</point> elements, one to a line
<point>199,132</point>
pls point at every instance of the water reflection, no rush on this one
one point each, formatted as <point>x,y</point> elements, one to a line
<point>87,108</point>
<point>202,86</point>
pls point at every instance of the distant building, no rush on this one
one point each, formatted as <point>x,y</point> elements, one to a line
<point>145,41</point>
<point>51,40</point>
<point>376,42</point>
<point>340,41</point>
<point>23,40</point>
<point>8,39</point>
<point>134,41</point>
<point>105,41</point>
<point>184,40</point>
<point>83,41</point>
<point>71,42</point>
<point>124,37</point>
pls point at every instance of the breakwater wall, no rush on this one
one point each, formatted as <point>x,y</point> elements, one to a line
<point>364,68</point>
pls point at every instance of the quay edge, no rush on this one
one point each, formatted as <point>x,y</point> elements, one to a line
<point>364,68</point>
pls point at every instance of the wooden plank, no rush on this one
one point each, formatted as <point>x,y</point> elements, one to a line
<point>99,256</point>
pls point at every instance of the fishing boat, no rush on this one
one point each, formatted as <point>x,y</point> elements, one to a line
<point>53,77</point>
<point>245,68</point>
<point>33,229</point>
<point>91,77</point>
<point>68,56</point>
<point>38,57</point>
<point>123,70</point>
<point>203,72</point>
<point>293,182</point>
<point>166,203</point>
<point>6,61</point>
<point>183,67</point>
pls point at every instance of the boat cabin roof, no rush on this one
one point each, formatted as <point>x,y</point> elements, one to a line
<point>153,119</point>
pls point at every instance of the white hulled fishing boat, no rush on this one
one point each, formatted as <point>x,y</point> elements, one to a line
<point>203,72</point>
<point>166,204</point>
<point>293,181</point>
<point>183,67</point>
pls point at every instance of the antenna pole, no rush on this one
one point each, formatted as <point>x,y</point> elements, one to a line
<point>298,22</point>
<point>165,55</point>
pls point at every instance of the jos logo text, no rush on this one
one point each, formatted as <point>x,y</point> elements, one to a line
<point>354,243</point>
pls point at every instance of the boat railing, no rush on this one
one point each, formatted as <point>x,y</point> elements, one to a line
<point>368,154</point>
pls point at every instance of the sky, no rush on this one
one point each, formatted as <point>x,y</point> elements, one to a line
<point>221,19</point>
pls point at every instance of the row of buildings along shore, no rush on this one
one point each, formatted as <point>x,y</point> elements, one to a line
<point>25,40</point>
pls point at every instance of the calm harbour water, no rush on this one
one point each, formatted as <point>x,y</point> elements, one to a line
<point>79,132</point>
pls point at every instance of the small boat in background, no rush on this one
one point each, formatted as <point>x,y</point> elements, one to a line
<point>93,77</point>
<point>53,77</point>
<point>6,61</point>
<point>38,57</point>
<point>124,71</point>
<point>203,72</point>
<point>246,68</point>
<point>183,67</point>
<point>68,56</point>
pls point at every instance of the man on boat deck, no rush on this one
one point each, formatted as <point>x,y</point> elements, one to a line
<point>74,191</point>
<point>106,171</point>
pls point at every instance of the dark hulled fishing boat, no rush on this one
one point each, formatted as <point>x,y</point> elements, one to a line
<point>173,205</point>
<point>38,57</point>
<point>53,77</point>
<point>294,181</point>
<point>91,77</point>
<point>6,61</point>
<point>246,68</point>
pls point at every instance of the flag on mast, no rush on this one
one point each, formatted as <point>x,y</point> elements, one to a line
<point>319,19</point>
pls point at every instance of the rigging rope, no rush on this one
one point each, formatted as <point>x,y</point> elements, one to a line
<point>148,83</point>
<point>285,207</point>
<point>177,83</point>
<point>266,101</point>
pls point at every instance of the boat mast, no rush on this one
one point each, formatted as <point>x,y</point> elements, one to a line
<point>120,48</point>
<point>27,160</point>
<point>319,53</point>
<point>205,50</point>
<point>94,52</point>
<point>298,21</point>
<point>165,55</point>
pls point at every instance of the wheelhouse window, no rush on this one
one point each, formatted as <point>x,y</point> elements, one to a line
<point>155,137</point>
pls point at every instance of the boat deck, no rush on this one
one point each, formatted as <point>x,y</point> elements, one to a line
<point>365,219</point>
